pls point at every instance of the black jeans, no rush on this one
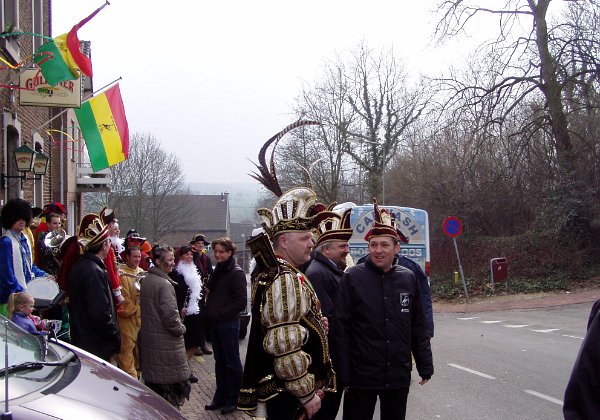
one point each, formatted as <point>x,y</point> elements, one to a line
<point>359,404</point>
<point>228,366</point>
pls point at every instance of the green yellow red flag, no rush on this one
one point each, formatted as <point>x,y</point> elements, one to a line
<point>104,128</point>
<point>62,58</point>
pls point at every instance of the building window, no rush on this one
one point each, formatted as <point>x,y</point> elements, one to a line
<point>9,20</point>
<point>10,15</point>
<point>75,144</point>
<point>38,184</point>
<point>37,16</point>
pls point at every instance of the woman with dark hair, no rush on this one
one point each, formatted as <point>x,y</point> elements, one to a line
<point>189,292</point>
<point>226,298</point>
<point>163,359</point>
<point>16,257</point>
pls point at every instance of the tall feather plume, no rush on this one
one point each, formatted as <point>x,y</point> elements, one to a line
<point>266,173</point>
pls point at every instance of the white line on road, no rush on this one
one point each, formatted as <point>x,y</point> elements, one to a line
<point>543,396</point>
<point>467,319</point>
<point>545,331</point>
<point>517,326</point>
<point>573,336</point>
<point>483,375</point>
<point>491,322</point>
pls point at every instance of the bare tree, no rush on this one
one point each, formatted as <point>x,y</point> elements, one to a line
<point>526,70</point>
<point>149,192</point>
<point>383,108</point>
<point>364,99</point>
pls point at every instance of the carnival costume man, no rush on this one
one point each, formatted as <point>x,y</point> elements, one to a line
<point>107,216</point>
<point>288,353</point>
<point>44,257</point>
<point>92,311</point>
<point>129,317</point>
<point>332,232</point>
<point>16,257</point>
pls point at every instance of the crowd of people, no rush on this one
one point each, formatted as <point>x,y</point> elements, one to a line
<point>322,327</point>
<point>315,315</point>
<point>143,308</point>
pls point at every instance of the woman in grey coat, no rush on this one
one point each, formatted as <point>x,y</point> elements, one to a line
<point>163,359</point>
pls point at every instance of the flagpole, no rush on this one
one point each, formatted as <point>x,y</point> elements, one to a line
<point>35,130</point>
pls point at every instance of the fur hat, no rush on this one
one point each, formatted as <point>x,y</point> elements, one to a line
<point>92,231</point>
<point>331,226</point>
<point>384,225</point>
<point>13,210</point>
<point>294,211</point>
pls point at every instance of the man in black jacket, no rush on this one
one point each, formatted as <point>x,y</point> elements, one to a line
<point>379,322</point>
<point>92,312</point>
<point>325,272</point>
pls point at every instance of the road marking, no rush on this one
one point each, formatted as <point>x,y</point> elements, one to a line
<point>491,322</point>
<point>467,319</point>
<point>517,326</point>
<point>573,336</point>
<point>543,396</point>
<point>474,372</point>
<point>545,331</point>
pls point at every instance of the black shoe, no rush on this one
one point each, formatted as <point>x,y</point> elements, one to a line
<point>205,350</point>
<point>198,353</point>
<point>213,406</point>
<point>194,379</point>
<point>228,409</point>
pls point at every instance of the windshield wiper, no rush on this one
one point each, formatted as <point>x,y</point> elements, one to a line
<point>30,366</point>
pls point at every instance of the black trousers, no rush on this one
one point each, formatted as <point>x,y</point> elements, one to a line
<point>359,404</point>
<point>228,366</point>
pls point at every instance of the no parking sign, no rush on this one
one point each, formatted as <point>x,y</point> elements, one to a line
<point>452,226</point>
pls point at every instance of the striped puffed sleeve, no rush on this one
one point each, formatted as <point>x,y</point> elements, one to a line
<point>287,300</point>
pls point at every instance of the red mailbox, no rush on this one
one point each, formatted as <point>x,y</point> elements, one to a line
<point>499,270</point>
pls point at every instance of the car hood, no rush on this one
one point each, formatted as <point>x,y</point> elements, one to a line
<point>101,391</point>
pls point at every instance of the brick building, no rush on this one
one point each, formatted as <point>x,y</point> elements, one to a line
<point>45,127</point>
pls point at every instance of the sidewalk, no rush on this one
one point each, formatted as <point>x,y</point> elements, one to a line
<point>521,301</point>
<point>204,366</point>
<point>202,392</point>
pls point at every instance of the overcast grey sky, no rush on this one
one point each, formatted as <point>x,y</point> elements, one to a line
<point>213,80</point>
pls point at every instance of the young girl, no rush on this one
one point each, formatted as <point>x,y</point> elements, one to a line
<point>20,306</point>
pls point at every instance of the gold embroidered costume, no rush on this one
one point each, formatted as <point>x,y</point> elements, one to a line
<point>129,320</point>
<point>288,349</point>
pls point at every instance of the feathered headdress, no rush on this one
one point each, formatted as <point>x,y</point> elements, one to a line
<point>266,175</point>
<point>294,210</point>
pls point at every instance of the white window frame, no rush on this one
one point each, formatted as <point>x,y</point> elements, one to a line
<point>37,19</point>
<point>9,14</point>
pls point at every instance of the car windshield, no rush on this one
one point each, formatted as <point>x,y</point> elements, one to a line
<point>24,348</point>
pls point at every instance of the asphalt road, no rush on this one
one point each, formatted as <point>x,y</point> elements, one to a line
<point>500,365</point>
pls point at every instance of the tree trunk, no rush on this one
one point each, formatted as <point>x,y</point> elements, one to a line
<point>574,223</point>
